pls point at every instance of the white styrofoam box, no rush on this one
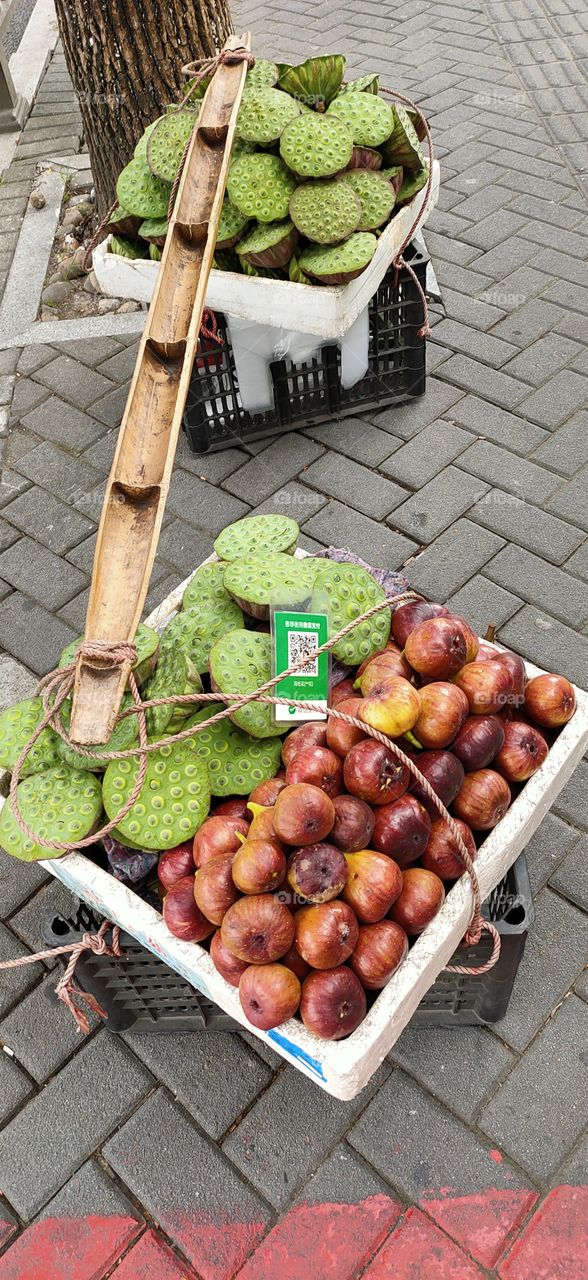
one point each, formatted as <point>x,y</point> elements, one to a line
<point>326,311</point>
<point>343,1068</point>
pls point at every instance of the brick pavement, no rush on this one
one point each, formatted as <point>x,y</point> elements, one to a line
<point>171,1151</point>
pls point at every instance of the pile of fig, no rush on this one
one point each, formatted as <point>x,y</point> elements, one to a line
<point>310,891</point>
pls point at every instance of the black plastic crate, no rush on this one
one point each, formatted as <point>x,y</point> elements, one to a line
<point>137,991</point>
<point>457,999</point>
<point>311,393</point>
<point>141,993</point>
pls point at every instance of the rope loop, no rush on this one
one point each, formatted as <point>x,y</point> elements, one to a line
<point>399,260</point>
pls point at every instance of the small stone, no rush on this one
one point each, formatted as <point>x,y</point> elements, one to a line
<point>37,200</point>
<point>127,307</point>
<point>107,304</point>
<point>91,284</point>
<point>55,294</point>
<point>72,218</point>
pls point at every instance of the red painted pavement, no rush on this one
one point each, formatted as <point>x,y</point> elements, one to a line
<point>417,1250</point>
<point>151,1259</point>
<point>322,1242</point>
<point>337,1239</point>
<point>485,1223</point>
<point>68,1248</point>
<point>554,1246</point>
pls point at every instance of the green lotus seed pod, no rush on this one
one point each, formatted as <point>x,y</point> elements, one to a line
<point>269,244</point>
<point>411,184</point>
<point>236,761</point>
<point>375,195</point>
<point>257,582</point>
<point>325,212</point>
<point>264,114</point>
<point>122,223</point>
<point>338,264</point>
<point>254,535</point>
<point>173,675</point>
<point>316,146</point>
<point>124,735</point>
<point>126,248</point>
<point>402,145</point>
<point>364,84</point>
<point>155,253</point>
<point>167,143</point>
<point>172,803</point>
<point>231,225</point>
<point>260,186</point>
<point>316,81</point>
<point>348,591</point>
<point>264,75</point>
<point>17,723</point>
<point>370,119</point>
<point>60,804</point>
<point>141,193</point>
<point>140,152</point>
<point>154,230</point>
<point>239,663</point>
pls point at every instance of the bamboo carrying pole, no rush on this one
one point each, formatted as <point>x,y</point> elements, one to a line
<point>140,475</point>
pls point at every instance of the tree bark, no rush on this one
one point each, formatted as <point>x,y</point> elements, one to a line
<point>125,59</point>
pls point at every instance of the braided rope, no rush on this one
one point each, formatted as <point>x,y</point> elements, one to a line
<point>71,996</point>
<point>399,260</point>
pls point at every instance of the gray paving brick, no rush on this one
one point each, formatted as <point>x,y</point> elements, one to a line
<point>27,395</point>
<point>183,546</point>
<point>65,476</point>
<point>548,643</point>
<point>571,876</point>
<point>342,1179</point>
<point>435,1057</point>
<point>100,453</point>
<point>63,424</point>
<point>197,1079</point>
<point>80,386</point>
<point>14,1087</point>
<point>91,1191</point>
<point>483,603</point>
<point>578,563</point>
<point>495,386</point>
<point>540,583</point>
<point>41,1032</point>
<point>316,1122</point>
<point>566,294</point>
<point>571,500</point>
<point>529,323</point>
<point>494,229</point>
<point>11,486</point>
<point>444,499</point>
<point>448,563</point>
<point>407,420</point>
<point>357,438</point>
<point>76,1112</point>
<point>498,466</point>
<point>110,408</point>
<point>37,572</point>
<point>515,1118</point>
<point>292,499</point>
<point>556,400</point>
<point>482,346</point>
<point>31,634</point>
<point>574,1171</point>
<point>425,1148</point>
<point>15,982</point>
<point>200,503</point>
<point>340,526</point>
<point>495,424</point>
<point>182,1179</point>
<point>544,358</point>
<point>547,848</point>
<point>481,204</point>
<point>213,467</point>
<point>284,458</point>
<point>572,802</point>
<point>505,258</point>
<point>83,554</point>
<point>341,478</point>
<point>162,589</point>
<point>425,455</point>
<point>537,530</point>
<point>566,450</point>
<point>18,880</point>
<point>120,364</point>
<point>463,279</point>
<point>40,514</point>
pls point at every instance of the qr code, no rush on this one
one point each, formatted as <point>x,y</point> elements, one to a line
<point>300,645</point>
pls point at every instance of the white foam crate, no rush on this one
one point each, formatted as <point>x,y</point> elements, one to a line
<point>324,311</point>
<point>342,1068</point>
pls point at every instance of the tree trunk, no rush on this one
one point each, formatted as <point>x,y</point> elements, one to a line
<point>125,59</point>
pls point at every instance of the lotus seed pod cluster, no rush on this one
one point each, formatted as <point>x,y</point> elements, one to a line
<point>319,167</point>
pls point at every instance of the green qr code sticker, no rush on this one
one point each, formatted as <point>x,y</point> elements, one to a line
<point>298,636</point>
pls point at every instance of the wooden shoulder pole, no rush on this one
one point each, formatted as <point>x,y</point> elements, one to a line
<point>140,475</point>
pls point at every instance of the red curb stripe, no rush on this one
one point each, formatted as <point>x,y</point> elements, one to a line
<point>68,1248</point>
<point>484,1224</point>
<point>151,1259</point>
<point>417,1250</point>
<point>216,1249</point>
<point>554,1245</point>
<point>330,1241</point>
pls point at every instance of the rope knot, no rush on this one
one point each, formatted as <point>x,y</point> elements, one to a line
<point>110,653</point>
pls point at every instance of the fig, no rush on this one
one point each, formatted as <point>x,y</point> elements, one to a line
<point>258,866</point>
<point>332,1003</point>
<point>354,823</point>
<point>325,934</point>
<point>373,884</point>
<point>317,872</point>
<point>303,814</point>
<point>269,994</point>
<point>182,915</point>
<point>318,766</point>
<point>214,890</point>
<point>258,929</point>
<point>379,950</point>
